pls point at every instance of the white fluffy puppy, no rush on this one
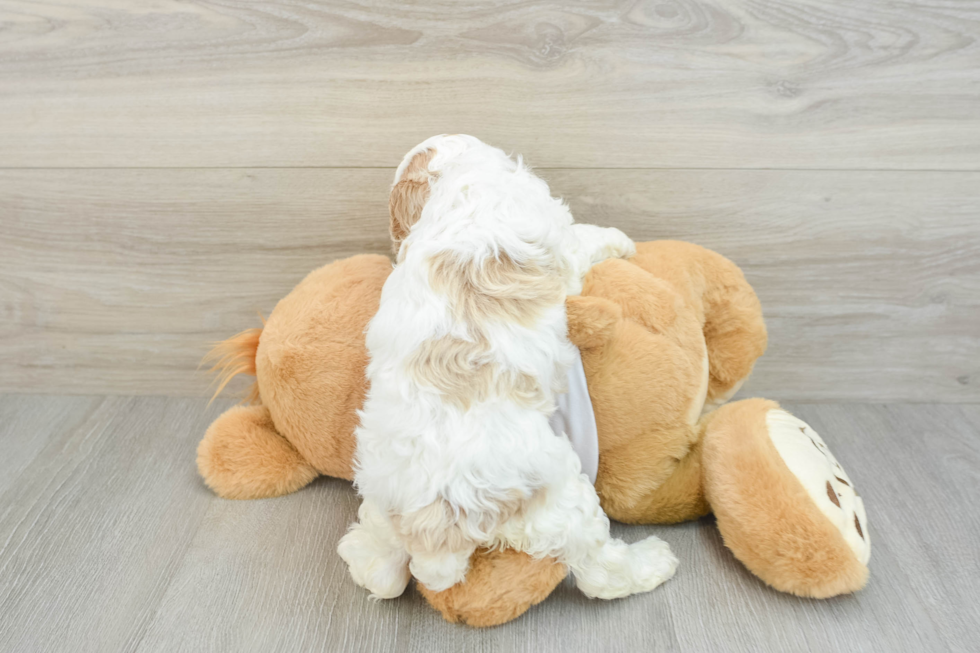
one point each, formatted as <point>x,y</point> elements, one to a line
<point>468,350</point>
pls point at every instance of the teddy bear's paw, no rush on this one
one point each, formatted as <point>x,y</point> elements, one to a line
<point>374,565</point>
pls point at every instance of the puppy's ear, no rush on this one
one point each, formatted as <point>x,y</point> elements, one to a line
<point>495,288</point>
<point>408,197</point>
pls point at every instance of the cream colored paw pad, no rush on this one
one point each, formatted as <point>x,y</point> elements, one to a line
<point>810,460</point>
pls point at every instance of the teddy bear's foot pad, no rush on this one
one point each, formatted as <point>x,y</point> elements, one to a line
<point>783,504</point>
<point>825,481</point>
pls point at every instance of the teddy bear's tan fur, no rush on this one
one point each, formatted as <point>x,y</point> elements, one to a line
<point>664,337</point>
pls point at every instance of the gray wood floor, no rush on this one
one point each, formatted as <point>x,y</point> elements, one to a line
<point>110,542</point>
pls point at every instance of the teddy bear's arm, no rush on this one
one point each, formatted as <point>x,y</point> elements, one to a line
<point>718,293</point>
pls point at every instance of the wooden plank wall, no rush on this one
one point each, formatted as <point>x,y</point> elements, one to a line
<point>167,169</point>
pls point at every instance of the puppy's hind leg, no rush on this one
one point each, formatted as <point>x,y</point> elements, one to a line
<point>441,570</point>
<point>375,556</point>
<point>616,569</point>
<point>572,527</point>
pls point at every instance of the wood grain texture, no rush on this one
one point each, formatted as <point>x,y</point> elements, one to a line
<point>599,83</point>
<point>108,541</point>
<point>114,281</point>
<point>92,526</point>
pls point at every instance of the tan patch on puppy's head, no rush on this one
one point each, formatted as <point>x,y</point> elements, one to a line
<point>497,288</point>
<point>409,196</point>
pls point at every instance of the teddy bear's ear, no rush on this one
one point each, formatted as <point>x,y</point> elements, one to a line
<point>408,197</point>
<point>591,320</point>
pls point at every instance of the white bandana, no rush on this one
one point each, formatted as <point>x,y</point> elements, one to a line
<point>575,419</point>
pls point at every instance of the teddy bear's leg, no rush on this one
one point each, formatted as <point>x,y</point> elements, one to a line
<point>783,504</point>
<point>669,486</point>
<point>243,457</point>
<point>500,586</point>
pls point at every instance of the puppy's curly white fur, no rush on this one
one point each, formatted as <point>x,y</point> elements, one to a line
<point>468,350</point>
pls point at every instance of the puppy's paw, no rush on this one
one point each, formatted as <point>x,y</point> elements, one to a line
<point>374,565</point>
<point>440,571</point>
<point>617,244</point>
<point>652,563</point>
<point>619,569</point>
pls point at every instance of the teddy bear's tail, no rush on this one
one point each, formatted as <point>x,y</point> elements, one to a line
<point>242,455</point>
<point>235,356</point>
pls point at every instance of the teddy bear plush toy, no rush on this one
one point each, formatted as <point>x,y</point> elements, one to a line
<point>666,338</point>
